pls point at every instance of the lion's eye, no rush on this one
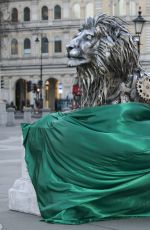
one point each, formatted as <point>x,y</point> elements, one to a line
<point>89,37</point>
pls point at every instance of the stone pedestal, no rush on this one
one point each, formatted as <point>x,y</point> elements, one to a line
<point>22,196</point>
<point>10,117</point>
<point>45,111</point>
<point>3,114</point>
<point>27,115</point>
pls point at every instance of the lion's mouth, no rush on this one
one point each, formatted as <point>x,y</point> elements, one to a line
<point>75,57</point>
<point>76,61</point>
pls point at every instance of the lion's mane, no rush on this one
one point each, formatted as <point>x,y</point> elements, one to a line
<point>114,59</point>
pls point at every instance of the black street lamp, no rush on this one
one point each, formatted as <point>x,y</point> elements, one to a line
<point>139,23</point>
<point>41,73</point>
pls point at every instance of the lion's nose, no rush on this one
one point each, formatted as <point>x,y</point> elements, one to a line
<point>75,53</point>
<point>72,51</point>
<point>69,48</point>
<point>75,43</point>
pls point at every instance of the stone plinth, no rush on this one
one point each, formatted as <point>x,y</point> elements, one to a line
<point>22,196</point>
<point>10,117</point>
<point>3,114</point>
<point>27,115</point>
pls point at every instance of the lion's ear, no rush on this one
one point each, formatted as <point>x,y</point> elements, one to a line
<point>89,23</point>
<point>117,32</point>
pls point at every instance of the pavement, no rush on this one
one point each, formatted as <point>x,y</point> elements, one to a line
<point>10,170</point>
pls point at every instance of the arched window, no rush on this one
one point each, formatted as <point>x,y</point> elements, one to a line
<point>89,11</point>
<point>132,8</point>
<point>27,46</point>
<point>57,12</point>
<point>122,7</point>
<point>76,10</point>
<point>26,14</point>
<point>14,47</point>
<point>58,45</point>
<point>44,45</point>
<point>14,15</point>
<point>44,13</point>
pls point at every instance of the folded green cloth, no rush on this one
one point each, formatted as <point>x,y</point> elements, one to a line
<point>91,164</point>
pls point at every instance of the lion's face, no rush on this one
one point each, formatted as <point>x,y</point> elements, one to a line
<point>103,42</point>
<point>80,49</point>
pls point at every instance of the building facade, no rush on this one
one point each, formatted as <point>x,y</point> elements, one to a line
<point>34,35</point>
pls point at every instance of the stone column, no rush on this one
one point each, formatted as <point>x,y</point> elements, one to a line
<point>27,115</point>
<point>10,117</point>
<point>3,114</point>
<point>22,196</point>
<point>10,89</point>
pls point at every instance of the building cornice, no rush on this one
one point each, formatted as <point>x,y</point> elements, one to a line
<point>9,27</point>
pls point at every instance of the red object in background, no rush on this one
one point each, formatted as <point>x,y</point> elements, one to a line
<point>76,90</point>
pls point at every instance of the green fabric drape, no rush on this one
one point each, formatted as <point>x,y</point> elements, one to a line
<point>91,164</point>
